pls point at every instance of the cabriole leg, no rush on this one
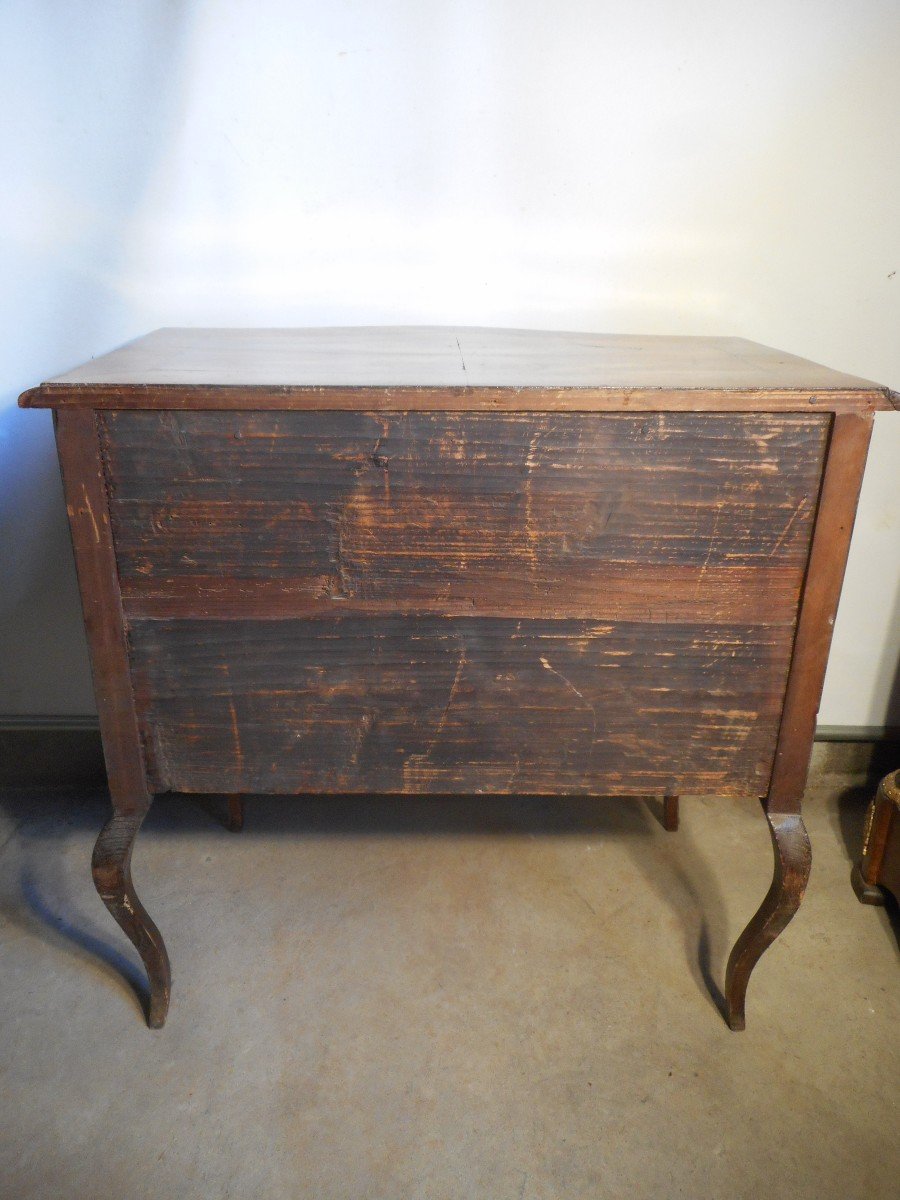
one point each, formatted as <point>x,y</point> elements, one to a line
<point>793,857</point>
<point>111,868</point>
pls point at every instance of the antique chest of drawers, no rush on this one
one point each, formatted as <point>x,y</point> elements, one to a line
<point>458,561</point>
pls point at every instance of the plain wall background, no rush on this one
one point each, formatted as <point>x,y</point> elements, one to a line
<point>701,166</point>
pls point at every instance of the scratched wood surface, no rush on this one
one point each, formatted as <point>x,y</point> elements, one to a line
<point>432,704</point>
<point>492,602</point>
<point>444,561</point>
<point>653,517</point>
<point>413,367</point>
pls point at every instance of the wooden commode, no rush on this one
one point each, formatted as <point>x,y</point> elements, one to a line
<point>413,560</point>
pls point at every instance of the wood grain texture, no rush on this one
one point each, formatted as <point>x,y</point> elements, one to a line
<point>78,443</point>
<point>842,480</point>
<point>489,561</point>
<point>406,368</point>
<point>412,705</point>
<point>111,870</point>
<point>78,446</point>
<point>793,860</point>
<point>660,517</point>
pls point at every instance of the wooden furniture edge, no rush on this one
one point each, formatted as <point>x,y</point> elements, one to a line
<point>841,480</point>
<point>842,475</point>
<point>87,504</point>
<point>459,399</point>
<point>84,484</point>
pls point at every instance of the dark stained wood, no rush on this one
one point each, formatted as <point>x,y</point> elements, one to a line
<point>408,368</point>
<point>86,502</point>
<point>793,859</point>
<point>459,560</point>
<point>670,813</point>
<point>416,705</point>
<point>841,484</point>
<point>111,869</point>
<point>241,515</point>
<point>466,399</point>
<point>235,814</point>
<point>648,593</point>
<point>879,867</point>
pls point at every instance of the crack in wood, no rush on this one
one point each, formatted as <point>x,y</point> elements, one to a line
<point>569,684</point>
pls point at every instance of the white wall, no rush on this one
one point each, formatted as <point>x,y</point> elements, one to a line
<point>703,166</point>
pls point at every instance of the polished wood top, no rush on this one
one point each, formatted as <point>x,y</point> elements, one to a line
<point>452,368</point>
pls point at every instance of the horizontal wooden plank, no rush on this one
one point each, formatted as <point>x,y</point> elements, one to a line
<point>395,704</point>
<point>621,592</point>
<point>411,367</point>
<point>633,517</point>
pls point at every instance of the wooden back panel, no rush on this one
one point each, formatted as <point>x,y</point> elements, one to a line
<point>435,601</point>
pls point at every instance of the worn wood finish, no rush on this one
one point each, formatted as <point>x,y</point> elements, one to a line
<point>793,859</point>
<point>223,515</point>
<point>111,869</point>
<point>879,867</point>
<point>842,479</point>
<point>458,560</point>
<point>468,705</point>
<point>175,398</point>
<point>649,593</point>
<point>86,502</point>
<point>839,496</point>
<point>404,369</point>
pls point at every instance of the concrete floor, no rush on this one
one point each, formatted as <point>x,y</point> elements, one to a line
<point>445,998</point>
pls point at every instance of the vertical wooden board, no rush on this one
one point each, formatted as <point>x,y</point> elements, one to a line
<point>86,503</point>
<point>841,483</point>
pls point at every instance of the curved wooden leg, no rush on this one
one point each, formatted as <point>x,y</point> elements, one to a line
<point>670,813</point>
<point>793,857</point>
<point>235,821</point>
<point>111,868</point>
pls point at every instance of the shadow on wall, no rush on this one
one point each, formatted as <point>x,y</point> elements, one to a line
<point>80,188</point>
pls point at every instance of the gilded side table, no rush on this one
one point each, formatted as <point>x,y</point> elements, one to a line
<point>458,561</point>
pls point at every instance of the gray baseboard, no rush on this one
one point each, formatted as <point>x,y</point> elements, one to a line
<point>858,733</point>
<point>66,751</point>
<point>51,752</point>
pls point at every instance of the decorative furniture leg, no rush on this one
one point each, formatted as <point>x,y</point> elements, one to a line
<point>235,822</point>
<point>81,461</point>
<point>111,867</point>
<point>879,867</point>
<point>670,813</point>
<point>793,857</point>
